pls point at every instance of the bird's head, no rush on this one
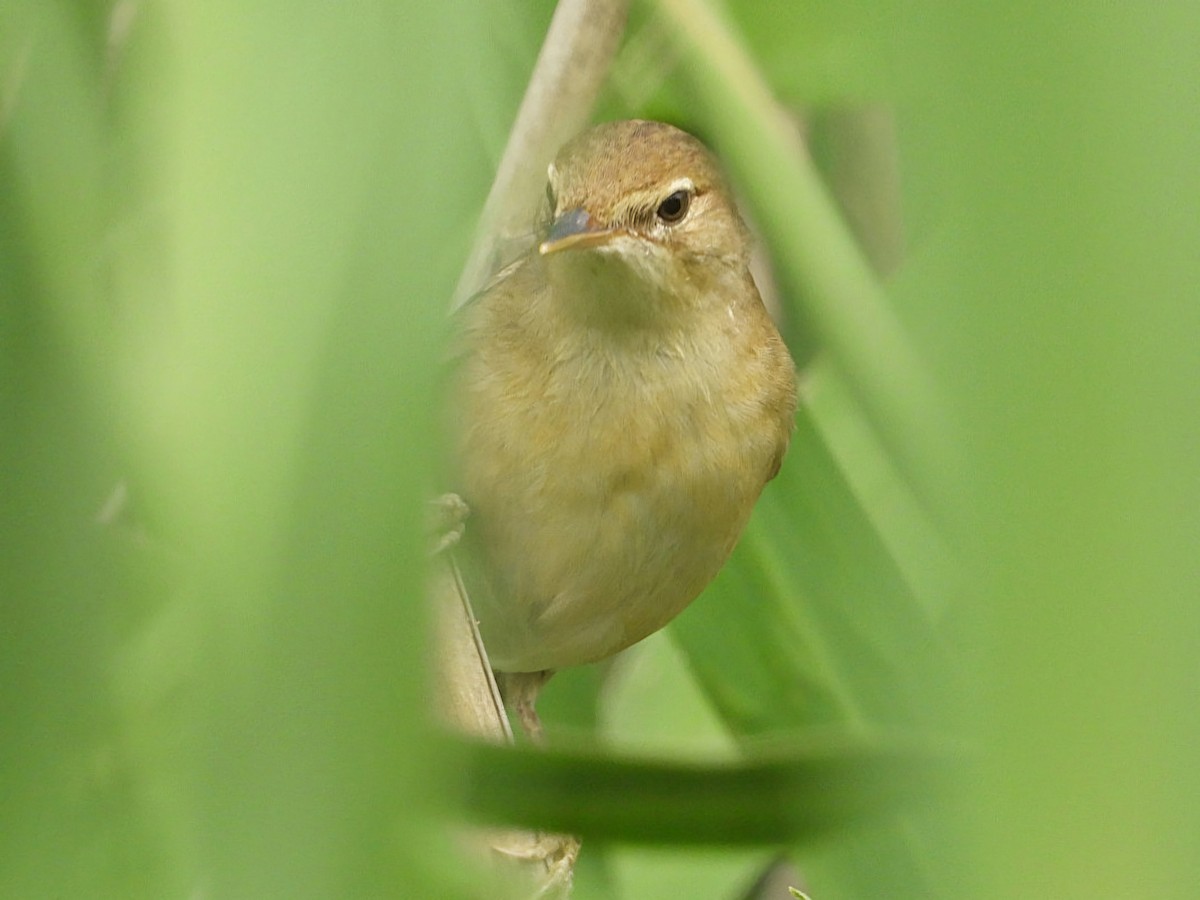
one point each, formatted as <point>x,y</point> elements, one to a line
<point>640,220</point>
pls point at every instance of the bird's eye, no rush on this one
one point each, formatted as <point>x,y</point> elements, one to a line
<point>674,208</point>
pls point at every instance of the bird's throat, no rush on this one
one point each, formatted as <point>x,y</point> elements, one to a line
<point>616,290</point>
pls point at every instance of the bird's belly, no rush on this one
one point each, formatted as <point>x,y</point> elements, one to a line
<point>603,536</point>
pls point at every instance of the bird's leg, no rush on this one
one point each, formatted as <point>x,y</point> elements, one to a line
<point>557,851</point>
<point>520,691</point>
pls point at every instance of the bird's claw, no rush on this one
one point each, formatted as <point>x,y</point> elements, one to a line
<point>557,852</point>
<point>447,521</point>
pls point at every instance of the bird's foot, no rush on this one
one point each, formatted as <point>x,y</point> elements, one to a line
<point>556,852</point>
<point>447,521</point>
<point>520,691</point>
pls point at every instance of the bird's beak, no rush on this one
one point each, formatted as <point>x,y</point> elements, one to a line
<point>574,229</point>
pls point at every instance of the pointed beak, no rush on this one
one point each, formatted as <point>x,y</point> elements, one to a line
<point>575,229</point>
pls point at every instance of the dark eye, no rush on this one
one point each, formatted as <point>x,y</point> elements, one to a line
<point>674,208</point>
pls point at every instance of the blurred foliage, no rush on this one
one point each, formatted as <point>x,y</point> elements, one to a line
<point>227,236</point>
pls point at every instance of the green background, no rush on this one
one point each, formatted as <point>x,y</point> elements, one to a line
<point>955,654</point>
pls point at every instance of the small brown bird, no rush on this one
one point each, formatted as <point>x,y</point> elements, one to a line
<point>624,399</point>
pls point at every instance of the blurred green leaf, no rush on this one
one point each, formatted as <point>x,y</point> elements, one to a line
<point>815,53</point>
<point>221,687</point>
<point>315,254</point>
<point>68,816</point>
<point>827,276</point>
<point>811,622</point>
<point>227,234</point>
<point>652,706</point>
<point>786,794</point>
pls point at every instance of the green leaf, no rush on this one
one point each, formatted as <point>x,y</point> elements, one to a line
<point>812,623</point>
<point>788,794</point>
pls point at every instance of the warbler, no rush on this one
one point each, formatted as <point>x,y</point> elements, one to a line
<point>624,396</point>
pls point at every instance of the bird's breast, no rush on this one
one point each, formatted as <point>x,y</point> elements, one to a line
<point>609,488</point>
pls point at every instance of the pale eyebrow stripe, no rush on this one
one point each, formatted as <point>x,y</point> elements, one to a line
<point>681,184</point>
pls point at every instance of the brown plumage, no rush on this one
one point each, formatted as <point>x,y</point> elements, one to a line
<point>623,400</point>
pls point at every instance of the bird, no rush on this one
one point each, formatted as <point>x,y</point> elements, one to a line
<point>623,398</point>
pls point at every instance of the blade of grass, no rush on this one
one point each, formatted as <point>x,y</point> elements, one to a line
<point>788,795</point>
<point>814,250</point>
